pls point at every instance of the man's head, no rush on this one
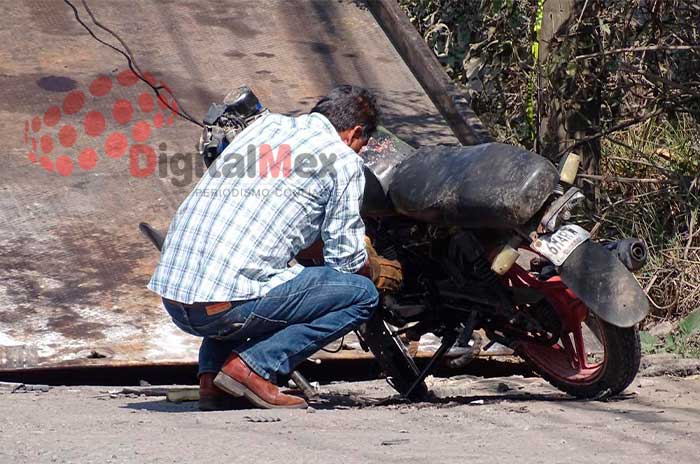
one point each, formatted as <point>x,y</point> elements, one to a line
<point>352,111</point>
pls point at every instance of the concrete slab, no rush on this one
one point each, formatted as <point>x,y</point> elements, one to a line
<point>74,182</point>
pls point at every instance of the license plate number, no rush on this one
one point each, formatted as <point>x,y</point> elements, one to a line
<point>558,246</point>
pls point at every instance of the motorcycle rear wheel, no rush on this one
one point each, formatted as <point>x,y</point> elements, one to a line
<point>568,365</point>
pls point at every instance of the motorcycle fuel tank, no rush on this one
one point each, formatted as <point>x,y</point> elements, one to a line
<point>383,153</point>
<point>487,186</point>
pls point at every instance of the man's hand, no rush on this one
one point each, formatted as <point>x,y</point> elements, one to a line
<point>385,273</point>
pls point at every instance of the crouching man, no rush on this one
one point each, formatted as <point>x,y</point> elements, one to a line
<point>282,184</point>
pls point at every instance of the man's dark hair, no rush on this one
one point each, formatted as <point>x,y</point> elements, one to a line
<point>347,106</point>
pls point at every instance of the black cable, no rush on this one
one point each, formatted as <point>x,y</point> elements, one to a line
<point>101,26</point>
<point>137,70</point>
<point>340,347</point>
<point>131,62</point>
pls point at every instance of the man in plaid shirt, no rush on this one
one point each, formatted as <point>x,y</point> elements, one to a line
<point>224,274</point>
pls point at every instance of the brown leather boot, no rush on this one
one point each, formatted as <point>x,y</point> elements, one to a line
<point>237,379</point>
<point>212,398</point>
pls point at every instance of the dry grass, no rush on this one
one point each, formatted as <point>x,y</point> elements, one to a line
<point>661,204</point>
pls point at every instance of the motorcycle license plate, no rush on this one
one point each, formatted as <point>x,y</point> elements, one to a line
<point>558,246</point>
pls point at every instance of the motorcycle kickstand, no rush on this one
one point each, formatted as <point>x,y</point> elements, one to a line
<point>447,343</point>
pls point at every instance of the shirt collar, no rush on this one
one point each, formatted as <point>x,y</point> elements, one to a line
<point>320,122</point>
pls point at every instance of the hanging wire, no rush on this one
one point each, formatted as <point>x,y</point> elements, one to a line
<point>133,66</point>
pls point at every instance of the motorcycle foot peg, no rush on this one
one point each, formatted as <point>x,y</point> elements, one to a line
<point>306,387</point>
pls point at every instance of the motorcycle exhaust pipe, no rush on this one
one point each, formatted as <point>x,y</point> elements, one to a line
<point>632,252</point>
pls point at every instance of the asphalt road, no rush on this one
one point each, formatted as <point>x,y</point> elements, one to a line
<point>487,420</point>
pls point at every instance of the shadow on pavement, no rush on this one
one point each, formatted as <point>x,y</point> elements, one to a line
<point>334,401</point>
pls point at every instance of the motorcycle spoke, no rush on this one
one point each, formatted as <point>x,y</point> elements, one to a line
<point>574,360</point>
<point>569,358</point>
<point>580,348</point>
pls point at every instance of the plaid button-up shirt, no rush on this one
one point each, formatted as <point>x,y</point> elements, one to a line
<point>280,185</point>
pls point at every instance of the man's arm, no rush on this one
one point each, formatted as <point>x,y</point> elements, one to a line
<point>345,246</point>
<point>342,231</point>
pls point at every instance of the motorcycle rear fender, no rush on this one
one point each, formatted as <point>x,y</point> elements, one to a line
<point>604,285</point>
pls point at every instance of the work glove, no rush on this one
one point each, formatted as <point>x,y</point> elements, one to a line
<point>385,273</point>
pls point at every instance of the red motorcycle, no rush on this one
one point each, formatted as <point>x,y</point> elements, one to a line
<point>483,238</point>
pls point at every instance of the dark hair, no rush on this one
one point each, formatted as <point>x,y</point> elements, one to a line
<point>347,106</point>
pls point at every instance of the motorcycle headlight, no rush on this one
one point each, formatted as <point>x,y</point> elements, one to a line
<point>560,210</point>
<point>204,140</point>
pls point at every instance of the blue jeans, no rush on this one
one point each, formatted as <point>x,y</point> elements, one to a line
<point>274,333</point>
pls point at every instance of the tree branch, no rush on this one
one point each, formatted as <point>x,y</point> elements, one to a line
<point>650,48</point>
<point>625,180</point>
<point>621,126</point>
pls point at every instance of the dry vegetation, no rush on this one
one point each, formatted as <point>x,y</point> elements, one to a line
<point>626,74</point>
<point>660,204</point>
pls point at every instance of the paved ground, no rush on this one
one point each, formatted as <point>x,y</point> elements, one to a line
<point>501,420</point>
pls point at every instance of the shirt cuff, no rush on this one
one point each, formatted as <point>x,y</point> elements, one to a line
<point>351,265</point>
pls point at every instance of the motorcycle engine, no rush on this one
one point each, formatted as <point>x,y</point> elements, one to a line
<point>226,120</point>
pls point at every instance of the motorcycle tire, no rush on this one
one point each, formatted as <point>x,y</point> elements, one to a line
<point>623,356</point>
<point>393,357</point>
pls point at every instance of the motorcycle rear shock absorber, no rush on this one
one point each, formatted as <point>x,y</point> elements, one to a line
<point>466,253</point>
<point>468,262</point>
<point>483,272</point>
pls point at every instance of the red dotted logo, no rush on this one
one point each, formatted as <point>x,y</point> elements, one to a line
<point>74,135</point>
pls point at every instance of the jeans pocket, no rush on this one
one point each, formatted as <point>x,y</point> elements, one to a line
<point>254,326</point>
<point>208,325</point>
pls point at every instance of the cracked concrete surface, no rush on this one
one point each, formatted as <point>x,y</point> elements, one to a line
<point>508,419</point>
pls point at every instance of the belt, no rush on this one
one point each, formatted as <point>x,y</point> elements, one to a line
<point>210,308</point>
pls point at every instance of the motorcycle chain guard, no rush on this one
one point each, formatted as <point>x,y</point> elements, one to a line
<point>604,285</point>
